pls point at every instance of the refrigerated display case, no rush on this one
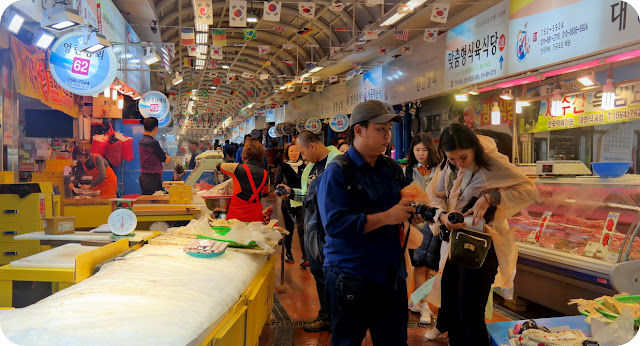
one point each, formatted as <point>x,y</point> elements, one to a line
<point>558,268</point>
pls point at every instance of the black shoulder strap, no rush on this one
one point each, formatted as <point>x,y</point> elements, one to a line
<point>408,175</point>
<point>396,169</point>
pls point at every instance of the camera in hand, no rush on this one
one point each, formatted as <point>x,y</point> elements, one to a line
<point>281,191</point>
<point>429,213</point>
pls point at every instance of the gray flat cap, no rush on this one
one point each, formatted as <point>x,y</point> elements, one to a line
<point>374,111</point>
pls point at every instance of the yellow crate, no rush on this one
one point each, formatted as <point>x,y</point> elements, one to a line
<point>180,194</point>
<point>7,177</point>
<point>57,164</point>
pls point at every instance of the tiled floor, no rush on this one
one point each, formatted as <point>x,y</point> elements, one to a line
<point>299,303</point>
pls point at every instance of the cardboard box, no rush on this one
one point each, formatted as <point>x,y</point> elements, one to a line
<point>59,225</point>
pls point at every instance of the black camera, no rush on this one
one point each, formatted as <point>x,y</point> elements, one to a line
<point>281,191</point>
<point>429,213</point>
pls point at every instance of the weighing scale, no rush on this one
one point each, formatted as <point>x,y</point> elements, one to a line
<point>207,161</point>
<point>122,222</point>
<point>561,167</point>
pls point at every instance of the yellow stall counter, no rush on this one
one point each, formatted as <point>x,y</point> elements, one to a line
<point>89,213</point>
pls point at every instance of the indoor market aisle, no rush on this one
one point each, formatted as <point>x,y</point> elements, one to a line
<point>299,304</point>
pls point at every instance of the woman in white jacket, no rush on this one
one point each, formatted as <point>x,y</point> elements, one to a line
<point>473,169</point>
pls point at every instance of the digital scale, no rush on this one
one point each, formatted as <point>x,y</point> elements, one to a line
<point>561,167</point>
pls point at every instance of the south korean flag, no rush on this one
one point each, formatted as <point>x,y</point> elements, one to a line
<point>307,9</point>
<point>237,13</point>
<point>272,11</point>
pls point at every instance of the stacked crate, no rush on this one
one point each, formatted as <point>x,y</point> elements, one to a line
<point>180,194</point>
<point>54,173</point>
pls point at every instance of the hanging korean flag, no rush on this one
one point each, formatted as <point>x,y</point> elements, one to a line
<point>320,88</point>
<point>307,9</point>
<point>291,88</point>
<point>263,50</point>
<point>333,79</point>
<point>216,53</point>
<point>371,35</point>
<point>187,36</point>
<point>336,6</point>
<point>237,13</point>
<point>407,50</point>
<point>287,46</point>
<point>334,50</point>
<point>430,35</point>
<point>193,50</point>
<point>247,75</point>
<point>299,79</point>
<point>315,79</point>
<point>203,12</point>
<point>230,78</point>
<point>272,11</point>
<point>360,49</point>
<point>305,89</point>
<point>264,76</point>
<point>383,51</point>
<point>343,80</point>
<point>249,34</point>
<point>440,13</point>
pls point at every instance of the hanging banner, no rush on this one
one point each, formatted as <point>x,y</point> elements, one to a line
<point>154,104</point>
<point>478,113</point>
<point>113,26</point>
<point>79,72</point>
<point>581,110</point>
<point>545,33</point>
<point>475,49</point>
<point>139,81</point>
<point>33,80</point>
<point>314,125</point>
<point>339,122</point>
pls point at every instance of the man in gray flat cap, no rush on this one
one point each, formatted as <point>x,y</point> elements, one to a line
<point>361,211</point>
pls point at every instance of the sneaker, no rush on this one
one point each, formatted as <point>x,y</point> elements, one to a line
<point>415,308</point>
<point>425,314</point>
<point>432,334</point>
<point>304,263</point>
<point>317,325</point>
<point>288,258</point>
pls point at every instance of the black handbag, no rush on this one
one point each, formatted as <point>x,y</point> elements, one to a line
<point>469,248</point>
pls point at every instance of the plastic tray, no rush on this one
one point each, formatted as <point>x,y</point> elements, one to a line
<point>205,255</point>
<point>622,299</point>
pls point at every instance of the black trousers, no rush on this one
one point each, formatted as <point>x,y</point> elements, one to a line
<point>288,214</point>
<point>358,304</point>
<point>464,296</point>
<point>318,275</point>
<point>150,183</point>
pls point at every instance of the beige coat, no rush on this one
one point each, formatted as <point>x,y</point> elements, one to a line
<point>516,191</point>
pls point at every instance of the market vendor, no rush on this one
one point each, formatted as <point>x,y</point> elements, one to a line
<point>103,177</point>
<point>250,183</point>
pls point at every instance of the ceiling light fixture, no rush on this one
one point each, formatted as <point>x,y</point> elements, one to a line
<point>94,42</point>
<point>609,91</point>
<point>520,104</point>
<point>107,92</point>
<point>415,3</point>
<point>177,79</point>
<point>462,97</point>
<point>556,102</point>
<point>393,19</point>
<point>495,114</point>
<point>506,95</point>
<point>121,102</point>
<point>252,19</point>
<point>225,67</point>
<point>114,94</point>
<point>43,39</point>
<point>150,56</point>
<point>59,17</point>
<point>202,27</point>
<point>473,90</point>
<point>15,23</point>
<point>587,78</point>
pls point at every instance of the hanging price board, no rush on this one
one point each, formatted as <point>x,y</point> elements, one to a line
<point>81,73</point>
<point>154,104</point>
<point>607,235</point>
<point>339,122</point>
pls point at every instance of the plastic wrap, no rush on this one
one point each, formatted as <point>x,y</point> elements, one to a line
<point>263,235</point>
<point>157,295</point>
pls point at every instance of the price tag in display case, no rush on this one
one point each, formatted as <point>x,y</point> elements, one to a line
<point>534,236</point>
<point>591,249</point>
<point>607,235</point>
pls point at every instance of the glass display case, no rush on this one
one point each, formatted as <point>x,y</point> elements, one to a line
<point>566,262</point>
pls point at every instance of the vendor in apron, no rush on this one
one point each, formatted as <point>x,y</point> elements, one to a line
<point>103,178</point>
<point>250,183</point>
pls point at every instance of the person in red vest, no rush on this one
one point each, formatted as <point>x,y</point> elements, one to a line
<point>103,177</point>
<point>250,183</point>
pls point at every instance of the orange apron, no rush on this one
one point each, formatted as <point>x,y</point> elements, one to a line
<point>109,186</point>
<point>251,210</point>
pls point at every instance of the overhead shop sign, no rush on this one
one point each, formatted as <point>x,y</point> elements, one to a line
<point>113,26</point>
<point>154,104</point>
<point>476,50</point>
<point>581,110</point>
<point>314,125</point>
<point>33,80</point>
<point>416,76</point>
<point>545,34</point>
<point>79,72</point>
<point>339,122</point>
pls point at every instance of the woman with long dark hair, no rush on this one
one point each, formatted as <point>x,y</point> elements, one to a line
<point>423,159</point>
<point>290,173</point>
<point>473,170</point>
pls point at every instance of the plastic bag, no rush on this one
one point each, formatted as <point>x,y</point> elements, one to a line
<point>222,189</point>
<point>114,153</point>
<point>264,236</point>
<point>99,144</point>
<point>613,333</point>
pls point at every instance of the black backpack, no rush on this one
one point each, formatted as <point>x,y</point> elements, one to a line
<point>314,234</point>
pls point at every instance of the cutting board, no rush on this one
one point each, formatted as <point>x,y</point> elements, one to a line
<point>63,257</point>
<point>153,199</point>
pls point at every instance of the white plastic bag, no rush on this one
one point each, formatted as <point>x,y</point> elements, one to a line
<point>613,333</point>
<point>264,236</point>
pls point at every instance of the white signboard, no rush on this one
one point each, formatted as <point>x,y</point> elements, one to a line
<point>545,33</point>
<point>475,50</point>
<point>113,26</point>
<point>416,76</point>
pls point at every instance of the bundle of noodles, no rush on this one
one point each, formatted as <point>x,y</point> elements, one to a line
<point>415,193</point>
